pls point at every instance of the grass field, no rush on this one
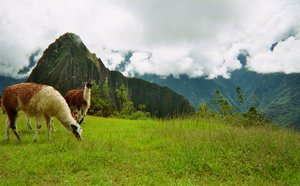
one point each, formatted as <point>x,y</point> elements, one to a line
<point>150,152</point>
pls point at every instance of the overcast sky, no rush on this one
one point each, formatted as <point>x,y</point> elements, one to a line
<point>193,37</point>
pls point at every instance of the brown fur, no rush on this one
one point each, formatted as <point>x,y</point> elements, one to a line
<point>18,94</point>
<point>75,98</point>
<point>15,96</point>
<point>79,101</point>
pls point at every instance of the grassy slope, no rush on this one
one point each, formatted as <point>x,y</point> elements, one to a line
<point>151,152</point>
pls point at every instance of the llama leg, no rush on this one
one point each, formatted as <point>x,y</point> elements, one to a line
<point>38,124</point>
<point>14,128</point>
<point>28,122</point>
<point>48,124</point>
<point>81,115</point>
<point>7,126</point>
<point>12,118</point>
<point>52,125</point>
<point>84,114</point>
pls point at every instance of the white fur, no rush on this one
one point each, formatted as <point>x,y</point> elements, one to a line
<point>87,98</point>
<point>83,110</point>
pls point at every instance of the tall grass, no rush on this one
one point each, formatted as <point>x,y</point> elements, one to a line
<point>151,152</point>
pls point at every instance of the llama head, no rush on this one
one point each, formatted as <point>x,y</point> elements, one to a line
<point>88,85</point>
<point>76,129</point>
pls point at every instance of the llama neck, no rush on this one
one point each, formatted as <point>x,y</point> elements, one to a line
<point>87,95</point>
<point>65,117</point>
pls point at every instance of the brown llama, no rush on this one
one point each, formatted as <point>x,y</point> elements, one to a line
<point>37,101</point>
<point>79,101</point>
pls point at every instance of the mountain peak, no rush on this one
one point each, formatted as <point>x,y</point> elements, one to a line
<point>71,37</point>
<point>66,59</point>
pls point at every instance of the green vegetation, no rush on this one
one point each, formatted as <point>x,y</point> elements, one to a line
<point>226,111</point>
<point>278,93</point>
<point>127,110</point>
<point>101,104</point>
<point>189,151</point>
<point>223,104</point>
<point>159,101</point>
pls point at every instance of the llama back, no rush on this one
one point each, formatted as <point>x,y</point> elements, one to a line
<point>18,96</point>
<point>75,98</point>
<point>47,100</point>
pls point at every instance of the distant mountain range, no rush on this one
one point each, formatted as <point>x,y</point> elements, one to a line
<point>278,94</point>
<point>6,81</point>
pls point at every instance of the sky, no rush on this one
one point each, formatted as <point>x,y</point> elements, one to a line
<point>193,37</point>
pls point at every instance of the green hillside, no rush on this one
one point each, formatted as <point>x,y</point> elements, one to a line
<point>151,152</point>
<point>278,94</point>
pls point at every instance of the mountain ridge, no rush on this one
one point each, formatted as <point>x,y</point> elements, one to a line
<point>278,94</point>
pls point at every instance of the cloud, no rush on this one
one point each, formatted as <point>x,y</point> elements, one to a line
<point>284,58</point>
<point>197,38</point>
<point>30,25</point>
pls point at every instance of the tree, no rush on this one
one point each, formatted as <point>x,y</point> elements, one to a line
<point>100,101</point>
<point>224,105</point>
<point>252,115</point>
<point>142,107</point>
<point>240,97</point>
<point>203,109</point>
<point>122,96</point>
<point>105,91</point>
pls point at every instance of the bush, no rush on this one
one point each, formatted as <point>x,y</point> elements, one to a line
<point>203,109</point>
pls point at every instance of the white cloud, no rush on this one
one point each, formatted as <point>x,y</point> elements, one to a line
<point>28,25</point>
<point>112,59</point>
<point>197,38</point>
<point>284,58</point>
<point>164,60</point>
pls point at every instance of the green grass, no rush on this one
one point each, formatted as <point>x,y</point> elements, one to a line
<point>151,152</point>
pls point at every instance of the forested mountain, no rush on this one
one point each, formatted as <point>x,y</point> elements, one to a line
<point>67,63</point>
